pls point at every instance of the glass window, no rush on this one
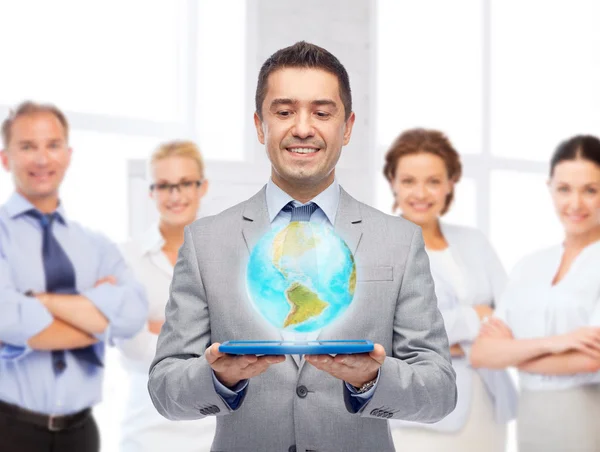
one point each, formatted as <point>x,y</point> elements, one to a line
<point>522,216</point>
<point>463,210</point>
<point>109,58</point>
<point>95,189</point>
<point>429,70</point>
<point>545,67</point>
<point>221,96</point>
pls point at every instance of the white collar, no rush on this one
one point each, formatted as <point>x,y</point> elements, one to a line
<point>328,200</point>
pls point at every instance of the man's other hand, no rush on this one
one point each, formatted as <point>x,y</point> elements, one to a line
<point>231,369</point>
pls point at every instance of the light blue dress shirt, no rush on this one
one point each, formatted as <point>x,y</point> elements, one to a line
<point>27,378</point>
<point>327,202</point>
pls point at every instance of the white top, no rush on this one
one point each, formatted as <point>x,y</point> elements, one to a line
<point>143,429</point>
<point>532,307</point>
<point>468,273</point>
<point>444,262</point>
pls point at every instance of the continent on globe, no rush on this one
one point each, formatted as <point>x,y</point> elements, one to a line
<point>304,303</point>
<point>292,242</point>
<point>301,277</point>
<point>352,280</point>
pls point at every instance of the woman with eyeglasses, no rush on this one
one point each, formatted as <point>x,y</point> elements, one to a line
<point>178,185</point>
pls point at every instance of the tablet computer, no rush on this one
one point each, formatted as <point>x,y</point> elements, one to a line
<point>296,347</point>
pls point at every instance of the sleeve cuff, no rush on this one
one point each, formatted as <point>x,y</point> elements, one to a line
<point>231,396</point>
<point>364,395</point>
<point>13,353</point>
<point>38,318</point>
<point>106,298</point>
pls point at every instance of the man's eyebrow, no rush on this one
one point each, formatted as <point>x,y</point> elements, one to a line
<point>289,101</point>
<point>283,101</point>
<point>22,142</point>
<point>324,102</point>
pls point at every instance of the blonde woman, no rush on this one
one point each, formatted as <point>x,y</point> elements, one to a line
<point>178,185</point>
<point>548,321</point>
<point>422,168</point>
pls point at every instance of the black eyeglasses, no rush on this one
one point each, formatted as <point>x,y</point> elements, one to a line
<point>183,186</point>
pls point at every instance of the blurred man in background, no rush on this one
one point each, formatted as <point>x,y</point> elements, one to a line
<point>64,293</point>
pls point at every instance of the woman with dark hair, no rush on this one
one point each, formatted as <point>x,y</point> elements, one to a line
<point>422,168</point>
<point>548,321</point>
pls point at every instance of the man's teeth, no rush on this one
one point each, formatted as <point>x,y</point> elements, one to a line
<point>304,150</point>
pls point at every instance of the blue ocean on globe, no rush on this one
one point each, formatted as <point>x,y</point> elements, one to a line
<point>301,277</point>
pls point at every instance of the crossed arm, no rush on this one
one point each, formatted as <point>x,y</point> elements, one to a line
<point>75,320</point>
<point>116,307</point>
<point>565,354</point>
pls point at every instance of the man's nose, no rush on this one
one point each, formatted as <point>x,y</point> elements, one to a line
<point>41,157</point>
<point>303,126</point>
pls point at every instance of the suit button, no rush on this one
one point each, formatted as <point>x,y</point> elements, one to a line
<point>302,392</point>
<point>375,412</point>
<point>292,448</point>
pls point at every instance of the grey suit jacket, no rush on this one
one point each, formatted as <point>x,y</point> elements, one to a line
<point>298,407</point>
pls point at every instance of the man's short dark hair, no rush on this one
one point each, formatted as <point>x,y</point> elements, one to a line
<point>303,55</point>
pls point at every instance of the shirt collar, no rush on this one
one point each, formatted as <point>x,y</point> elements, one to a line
<point>152,241</point>
<point>17,205</point>
<point>327,200</point>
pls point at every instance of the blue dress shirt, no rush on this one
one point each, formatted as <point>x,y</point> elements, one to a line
<point>27,378</point>
<point>327,202</point>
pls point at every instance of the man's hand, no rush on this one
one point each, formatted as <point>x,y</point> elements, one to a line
<point>456,350</point>
<point>154,326</point>
<point>231,369</point>
<point>107,280</point>
<point>356,369</point>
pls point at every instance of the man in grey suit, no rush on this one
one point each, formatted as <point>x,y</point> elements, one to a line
<point>318,403</point>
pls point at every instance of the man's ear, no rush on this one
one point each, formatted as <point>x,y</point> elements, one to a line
<point>259,129</point>
<point>348,130</point>
<point>4,158</point>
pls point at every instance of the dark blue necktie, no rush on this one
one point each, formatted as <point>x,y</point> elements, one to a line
<point>60,278</point>
<point>301,213</point>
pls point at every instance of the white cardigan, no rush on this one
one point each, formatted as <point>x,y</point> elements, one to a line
<point>484,280</point>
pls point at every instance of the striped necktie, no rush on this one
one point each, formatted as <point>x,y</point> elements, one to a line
<point>301,213</point>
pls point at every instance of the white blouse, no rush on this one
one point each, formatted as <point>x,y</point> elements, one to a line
<point>532,307</point>
<point>143,429</point>
<point>468,273</point>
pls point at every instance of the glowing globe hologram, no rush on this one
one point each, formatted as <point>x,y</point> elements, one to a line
<point>301,277</point>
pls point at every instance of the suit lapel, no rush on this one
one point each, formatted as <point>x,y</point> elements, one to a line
<point>255,219</point>
<point>348,221</point>
<point>348,225</point>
